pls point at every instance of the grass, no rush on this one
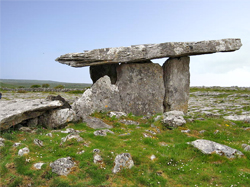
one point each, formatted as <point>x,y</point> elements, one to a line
<point>177,164</point>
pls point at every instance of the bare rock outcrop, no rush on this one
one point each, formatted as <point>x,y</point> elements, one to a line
<point>123,161</point>
<point>62,166</point>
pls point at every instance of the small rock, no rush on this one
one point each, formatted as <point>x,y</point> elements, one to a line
<point>38,165</point>
<point>151,132</point>
<point>70,130</point>
<point>103,132</point>
<point>216,131</point>
<point>173,119</point>
<point>49,134</point>
<point>145,135</point>
<point>129,122</point>
<point>25,129</point>
<point>96,123</point>
<point>246,147</point>
<point>16,144</point>
<point>117,114</point>
<point>72,136</point>
<point>23,151</point>
<point>80,152</point>
<point>38,142</point>
<point>2,142</point>
<point>202,131</point>
<point>62,166</point>
<point>186,131</point>
<point>123,161</point>
<point>153,157</point>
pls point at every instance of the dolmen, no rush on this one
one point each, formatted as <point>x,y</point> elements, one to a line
<point>126,80</point>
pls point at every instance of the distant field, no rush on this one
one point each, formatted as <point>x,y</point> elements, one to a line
<point>16,83</point>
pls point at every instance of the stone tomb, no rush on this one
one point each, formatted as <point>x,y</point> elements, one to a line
<point>138,85</point>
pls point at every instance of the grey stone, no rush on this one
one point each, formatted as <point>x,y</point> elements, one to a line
<point>16,144</point>
<point>129,122</point>
<point>245,118</point>
<point>38,165</point>
<point>173,119</point>
<point>72,136</point>
<point>177,81</point>
<point>209,147</point>
<point>62,166</point>
<point>246,147</point>
<point>16,111</point>
<point>102,96</point>
<point>140,53</point>
<point>116,114</point>
<point>103,132</point>
<point>186,131</point>
<point>25,129</point>
<point>123,161</point>
<point>96,72</point>
<point>23,151</point>
<point>38,142</point>
<point>48,134</point>
<point>96,123</point>
<point>2,140</point>
<point>32,122</point>
<point>141,88</point>
<point>58,98</point>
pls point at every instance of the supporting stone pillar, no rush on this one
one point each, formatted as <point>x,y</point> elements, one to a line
<point>96,72</point>
<point>177,83</point>
<point>141,88</point>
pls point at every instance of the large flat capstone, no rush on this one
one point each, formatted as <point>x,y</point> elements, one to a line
<point>140,53</point>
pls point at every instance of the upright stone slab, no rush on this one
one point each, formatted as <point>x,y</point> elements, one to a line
<point>177,81</point>
<point>141,88</point>
<point>96,72</point>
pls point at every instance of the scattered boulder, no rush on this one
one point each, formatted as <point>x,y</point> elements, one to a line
<point>38,165</point>
<point>123,161</point>
<point>209,147</point>
<point>173,119</point>
<point>2,140</point>
<point>97,157</point>
<point>16,144</point>
<point>23,151</point>
<point>16,111</point>
<point>137,84</point>
<point>186,131</point>
<point>38,142</point>
<point>246,147</point>
<point>25,129</point>
<point>62,166</point>
<point>72,136</point>
<point>102,96</point>
<point>103,132</point>
<point>96,123</point>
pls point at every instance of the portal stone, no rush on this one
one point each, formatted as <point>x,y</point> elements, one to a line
<point>177,82</point>
<point>141,88</point>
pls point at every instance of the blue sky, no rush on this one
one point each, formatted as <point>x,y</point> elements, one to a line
<point>34,33</point>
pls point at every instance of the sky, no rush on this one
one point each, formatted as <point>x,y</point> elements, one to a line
<point>34,33</point>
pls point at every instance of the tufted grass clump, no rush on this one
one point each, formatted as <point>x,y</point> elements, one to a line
<point>162,158</point>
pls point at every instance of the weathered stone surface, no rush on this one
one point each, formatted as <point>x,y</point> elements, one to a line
<point>102,96</point>
<point>16,111</point>
<point>103,132</point>
<point>129,122</point>
<point>139,53</point>
<point>2,140</point>
<point>62,166</point>
<point>123,161</point>
<point>116,114</point>
<point>245,118</point>
<point>96,123</point>
<point>96,72</point>
<point>173,119</point>
<point>38,142</point>
<point>209,147</point>
<point>58,98</point>
<point>57,118</point>
<point>177,81</point>
<point>38,165</point>
<point>141,88</point>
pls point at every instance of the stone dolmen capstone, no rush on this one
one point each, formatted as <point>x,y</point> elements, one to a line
<point>126,80</point>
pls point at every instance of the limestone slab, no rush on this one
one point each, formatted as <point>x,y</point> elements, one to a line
<point>140,53</point>
<point>16,111</point>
